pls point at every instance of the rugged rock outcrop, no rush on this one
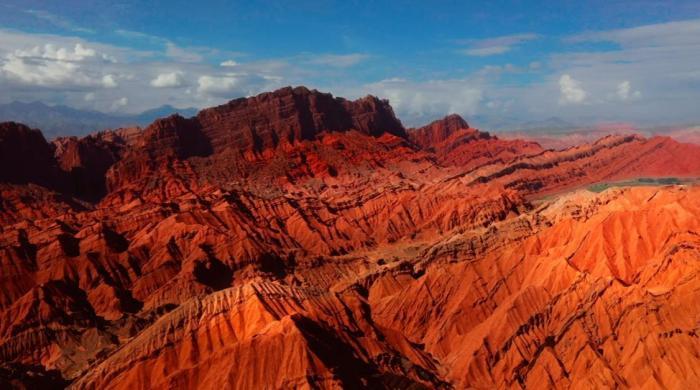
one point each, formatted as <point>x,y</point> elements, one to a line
<point>270,131</point>
<point>26,157</point>
<point>608,159</point>
<point>292,114</point>
<point>455,143</point>
<point>296,240</point>
<point>598,294</point>
<point>438,131</point>
<point>86,161</point>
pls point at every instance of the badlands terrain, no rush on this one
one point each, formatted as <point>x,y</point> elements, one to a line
<point>294,240</point>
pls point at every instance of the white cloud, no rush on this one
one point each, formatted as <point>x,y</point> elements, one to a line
<point>486,51</point>
<point>83,52</point>
<point>419,102</point>
<point>625,92</point>
<point>37,71</point>
<point>661,60</point>
<point>84,74</point>
<point>108,81</point>
<point>58,21</point>
<point>497,45</point>
<point>140,36</point>
<point>51,52</point>
<point>213,85</point>
<point>50,65</point>
<point>120,103</point>
<point>338,60</point>
<point>168,80</point>
<point>185,55</point>
<point>658,61</point>
<point>14,67</point>
<point>571,91</point>
<point>671,34</point>
<point>177,53</point>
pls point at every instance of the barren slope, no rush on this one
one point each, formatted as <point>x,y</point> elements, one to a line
<point>296,240</point>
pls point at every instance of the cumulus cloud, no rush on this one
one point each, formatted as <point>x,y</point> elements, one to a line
<point>108,81</point>
<point>52,52</point>
<point>50,66</point>
<point>625,92</point>
<point>42,73</point>
<point>168,80</point>
<point>85,74</point>
<point>571,90</point>
<point>497,45</point>
<point>419,102</point>
<point>660,60</point>
<point>119,103</point>
<point>217,85</point>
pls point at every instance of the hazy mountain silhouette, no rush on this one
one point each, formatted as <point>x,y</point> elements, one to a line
<point>62,120</point>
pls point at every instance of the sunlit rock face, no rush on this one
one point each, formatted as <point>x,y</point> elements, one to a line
<point>298,240</point>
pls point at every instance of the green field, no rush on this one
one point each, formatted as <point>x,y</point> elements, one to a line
<point>643,181</point>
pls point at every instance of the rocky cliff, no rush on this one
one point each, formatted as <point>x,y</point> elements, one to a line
<point>297,240</point>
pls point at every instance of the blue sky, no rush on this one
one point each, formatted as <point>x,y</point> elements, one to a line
<point>493,62</point>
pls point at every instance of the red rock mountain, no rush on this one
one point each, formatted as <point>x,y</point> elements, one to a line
<point>25,156</point>
<point>455,143</point>
<point>439,131</point>
<point>298,240</point>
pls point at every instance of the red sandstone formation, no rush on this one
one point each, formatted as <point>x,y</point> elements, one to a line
<point>608,159</point>
<point>297,240</point>
<point>25,156</point>
<point>439,131</point>
<point>86,160</point>
<point>455,143</point>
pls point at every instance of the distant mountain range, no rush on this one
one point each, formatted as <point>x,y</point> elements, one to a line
<point>506,123</point>
<point>60,120</point>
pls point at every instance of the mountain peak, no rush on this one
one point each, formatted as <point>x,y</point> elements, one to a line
<point>25,156</point>
<point>294,114</point>
<point>438,130</point>
<point>454,121</point>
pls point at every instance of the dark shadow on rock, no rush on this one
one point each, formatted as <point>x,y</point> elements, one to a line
<point>26,250</point>
<point>69,244</point>
<point>337,355</point>
<point>115,241</point>
<point>211,271</point>
<point>272,264</point>
<point>24,376</point>
<point>127,302</point>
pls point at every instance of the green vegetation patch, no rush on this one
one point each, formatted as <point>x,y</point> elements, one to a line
<point>642,181</point>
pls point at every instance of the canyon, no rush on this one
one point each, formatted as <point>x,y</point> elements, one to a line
<point>299,240</point>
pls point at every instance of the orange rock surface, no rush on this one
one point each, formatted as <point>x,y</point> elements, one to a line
<point>297,240</point>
